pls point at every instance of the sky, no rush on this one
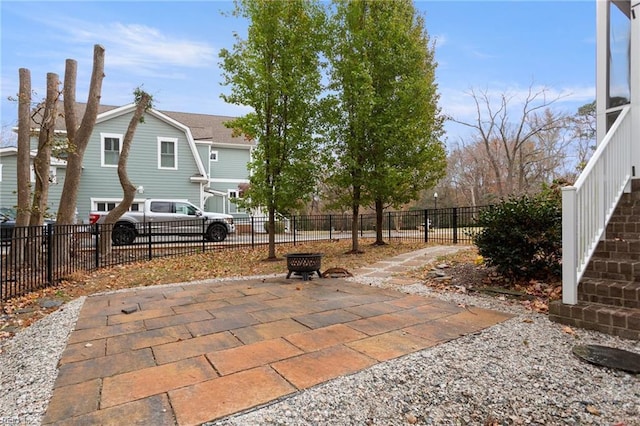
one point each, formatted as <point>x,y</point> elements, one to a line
<point>170,49</point>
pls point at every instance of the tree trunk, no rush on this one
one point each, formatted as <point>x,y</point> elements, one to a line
<point>128,188</point>
<point>272,233</point>
<point>355,212</point>
<point>42,160</point>
<point>379,220</point>
<point>23,163</point>
<point>78,136</point>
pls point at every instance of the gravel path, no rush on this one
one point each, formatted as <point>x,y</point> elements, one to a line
<point>521,371</point>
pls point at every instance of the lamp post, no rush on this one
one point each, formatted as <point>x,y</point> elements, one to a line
<point>435,200</point>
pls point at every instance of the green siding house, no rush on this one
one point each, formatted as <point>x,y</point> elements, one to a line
<point>173,155</point>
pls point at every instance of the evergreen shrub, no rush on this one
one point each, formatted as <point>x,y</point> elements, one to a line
<point>522,236</point>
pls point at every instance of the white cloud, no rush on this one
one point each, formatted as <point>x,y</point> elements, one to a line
<point>140,49</point>
<point>439,40</point>
<point>459,104</point>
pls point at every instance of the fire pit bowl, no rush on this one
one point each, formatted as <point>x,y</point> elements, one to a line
<point>304,264</point>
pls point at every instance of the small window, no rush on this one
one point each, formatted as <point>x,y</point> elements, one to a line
<point>161,207</point>
<point>105,206</point>
<point>167,153</point>
<point>111,147</point>
<point>213,155</point>
<point>233,193</point>
<point>184,208</point>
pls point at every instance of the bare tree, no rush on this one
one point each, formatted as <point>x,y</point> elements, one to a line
<point>143,103</point>
<point>584,133</point>
<point>470,178</point>
<point>42,160</point>
<point>22,165</point>
<point>78,135</point>
<point>24,159</point>
<point>520,147</point>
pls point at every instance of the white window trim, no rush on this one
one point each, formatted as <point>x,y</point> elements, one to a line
<point>217,155</point>
<point>53,174</point>
<point>175,152</point>
<point>234,192</point>
<point>95,201</point>
<point>0,172</point>
<point>103,136</point>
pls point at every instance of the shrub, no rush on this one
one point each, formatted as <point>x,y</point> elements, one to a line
<point>522,236</point>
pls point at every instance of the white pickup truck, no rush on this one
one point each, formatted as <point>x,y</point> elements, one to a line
<point>167,217</point>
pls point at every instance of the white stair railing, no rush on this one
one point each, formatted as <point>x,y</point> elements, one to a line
<point>588,205</point>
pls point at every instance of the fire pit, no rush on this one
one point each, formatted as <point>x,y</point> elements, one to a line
<point>304,264</point>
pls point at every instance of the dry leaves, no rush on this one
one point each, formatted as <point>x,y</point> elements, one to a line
<point>22,311</point>
<point>466,273</point>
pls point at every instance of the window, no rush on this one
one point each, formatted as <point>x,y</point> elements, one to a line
<point>213,155</point>
<point>185,208</point>
<point>162,207</point>
<point>167,153</point>
<point>107,206</point>
<point>233,193</point>
<point>111,147</point>
<point>53,174</point>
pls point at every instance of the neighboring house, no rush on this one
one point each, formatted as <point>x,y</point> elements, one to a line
<point>601,212</point>
<point>173,155</point>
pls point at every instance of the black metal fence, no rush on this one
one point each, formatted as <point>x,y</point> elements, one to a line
<point>35,257</point>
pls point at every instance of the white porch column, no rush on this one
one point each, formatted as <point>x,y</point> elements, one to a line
<point>635,84</point>
<point>602,67</point>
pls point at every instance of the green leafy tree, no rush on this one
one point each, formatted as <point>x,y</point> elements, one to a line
<point>388,131</point>
<point>407,153</point>
<point>277,72</point>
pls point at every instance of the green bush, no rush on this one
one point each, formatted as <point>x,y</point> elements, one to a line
<point>278,226</point>
<point>522,236</point>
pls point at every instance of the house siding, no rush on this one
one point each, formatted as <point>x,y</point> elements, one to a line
<point>225,174</point>
<point>9,183</point>
<point>9,186</point>
<point>232,163</point>
<point>100,183</point>
<point>142,166</point>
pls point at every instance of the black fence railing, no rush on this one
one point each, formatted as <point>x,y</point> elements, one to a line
<point>36,257</point>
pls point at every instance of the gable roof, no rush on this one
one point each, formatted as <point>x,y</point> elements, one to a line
<point>203,127</point>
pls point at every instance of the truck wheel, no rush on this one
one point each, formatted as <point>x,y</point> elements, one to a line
<point>122,235</point>
<point>216,232</point>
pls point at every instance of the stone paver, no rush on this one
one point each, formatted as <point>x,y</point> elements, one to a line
<point>195,353</point>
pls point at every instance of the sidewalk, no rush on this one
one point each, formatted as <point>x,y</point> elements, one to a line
<point>189,354</point>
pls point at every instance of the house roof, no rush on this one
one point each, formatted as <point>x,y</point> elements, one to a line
<point>203,127</point>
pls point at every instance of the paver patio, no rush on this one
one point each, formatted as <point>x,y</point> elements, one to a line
<point>195,353</point>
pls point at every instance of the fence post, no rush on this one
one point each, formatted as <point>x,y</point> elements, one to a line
<point>253,233</point>
<point>150,241</point>
<point>454,224</point>
<point>331,227</point>
<point>426,225</point>
<point>49,253</point>
<point>96,232</point>
<point>293,229</point>
<point>389,225</point>
<point>361,226</point>
<point>204,234</point>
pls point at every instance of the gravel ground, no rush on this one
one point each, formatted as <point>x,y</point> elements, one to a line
<point>521,371</point>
